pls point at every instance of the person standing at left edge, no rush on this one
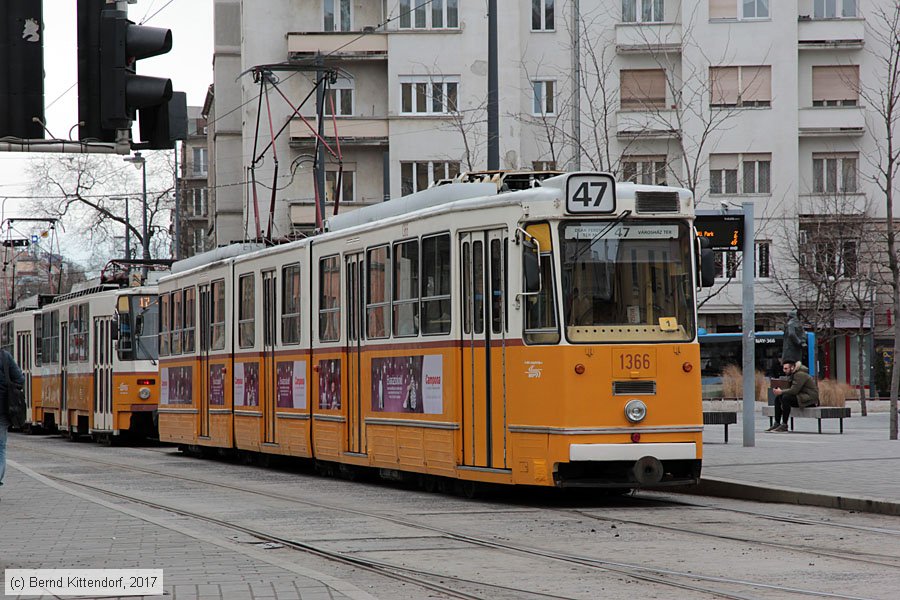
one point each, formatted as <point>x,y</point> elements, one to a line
<point>7,364</point>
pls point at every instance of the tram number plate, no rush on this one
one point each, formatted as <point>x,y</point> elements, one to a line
<point>634,363</point>
<point>588,193</point>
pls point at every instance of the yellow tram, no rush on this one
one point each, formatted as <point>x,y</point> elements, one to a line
<point>544,336</point>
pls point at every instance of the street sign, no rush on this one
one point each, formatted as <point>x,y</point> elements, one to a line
<point>724,232</point>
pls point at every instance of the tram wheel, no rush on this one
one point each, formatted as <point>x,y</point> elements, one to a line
<point>430,483</point>
<point>469,489</point>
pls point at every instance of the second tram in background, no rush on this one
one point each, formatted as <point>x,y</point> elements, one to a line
<point>545,336</point>
<point>90,359</point>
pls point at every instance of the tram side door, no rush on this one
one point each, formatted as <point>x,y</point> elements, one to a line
<point>23,359</point>
<point>103,379</point>
<point>355,271</point>
<point>63,376</point>
<point>484,326</point>
<point>206,317</point>
<point>270,396</point>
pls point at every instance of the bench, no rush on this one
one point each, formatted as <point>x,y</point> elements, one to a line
<point>720,417</point>
<point>813,412</point>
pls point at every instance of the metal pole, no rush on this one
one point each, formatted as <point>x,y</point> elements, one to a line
<point>320,156</point>
<point>749,327</point>
<point>144,238</point>
<point>177,251</point>
<point>493,104</point>
<point>576,96</point>
<point>872,392</point>
<point>127,231</point>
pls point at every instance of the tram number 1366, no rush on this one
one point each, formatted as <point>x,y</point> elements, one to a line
<point>593,193</point>
<point>635,362</point>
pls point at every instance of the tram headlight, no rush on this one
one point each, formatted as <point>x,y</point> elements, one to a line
<point>635,411</point>
<point>144,393</point>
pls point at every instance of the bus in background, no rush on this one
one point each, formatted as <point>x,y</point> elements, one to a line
<point>719,350</point>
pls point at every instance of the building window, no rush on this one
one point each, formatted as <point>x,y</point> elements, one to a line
<point>835,85</point>
<point>246,311</point>
<point>406,288</point>
<point>542,13</point>
<point>347,186</point>
<point>643,89</point>
<point>647,170</point>
<point>330,299</point>
<point>763,264</point>
<point>422,14</point>
<point>728,9</point>
<point>434,96</point>
<point>290,305</point>
<point>727,263</point>
<point>198,202</point>
<point>339,96</point>
<point>755,171</point>
<point>199,241</point>
<point>832,258</point>
<point>200,164</point>
<point>418,176</point>
<point>337,15</point>
<point>834,9</point>
<point>740,86</point>
<point>643,11</point>
<point>378,293</point>
<point>543,97</point>
<point>835,173</point>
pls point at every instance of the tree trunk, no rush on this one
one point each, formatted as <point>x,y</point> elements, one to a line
<point>859,366</point>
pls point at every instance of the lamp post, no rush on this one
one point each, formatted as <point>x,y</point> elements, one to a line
<point>140,162</point>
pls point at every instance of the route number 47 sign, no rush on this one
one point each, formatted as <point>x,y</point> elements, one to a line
<point>591,193</point>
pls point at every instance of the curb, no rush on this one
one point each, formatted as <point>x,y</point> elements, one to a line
<point>730,488</point>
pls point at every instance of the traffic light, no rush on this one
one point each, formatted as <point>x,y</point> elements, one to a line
<point>21,69</point>
<point>110,92</point>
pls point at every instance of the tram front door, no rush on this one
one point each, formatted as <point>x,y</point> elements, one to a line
<point>103,380</point>
<point>206,319</point>
<point>484,345</point>
<point>269,392</point>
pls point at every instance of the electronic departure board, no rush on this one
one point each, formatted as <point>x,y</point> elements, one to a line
<point>724,232</point>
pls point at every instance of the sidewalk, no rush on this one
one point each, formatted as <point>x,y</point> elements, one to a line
<point>856,470</point>
<point>50,526</point>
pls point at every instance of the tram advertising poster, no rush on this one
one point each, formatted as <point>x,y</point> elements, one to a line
<point>175,385</point>
<point>246,384</point>
<point>330,384</point>
<point>408,384</point>
<point>291,384</point>
<point>217,385</point>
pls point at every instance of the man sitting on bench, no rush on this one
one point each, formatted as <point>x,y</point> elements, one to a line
<point>803,393</point>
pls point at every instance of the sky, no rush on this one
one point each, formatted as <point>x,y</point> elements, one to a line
<point>188,64</point>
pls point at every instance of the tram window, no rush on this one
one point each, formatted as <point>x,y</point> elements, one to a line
<point>38,341</point>
<point>177,321</point>
<point>165,324</point>
<point>406,288</point>
<point>51,338</point>
<point>77,334</point>
<point>540,314</point>
<point>6,342</point>
<point>436,275</point>
<point>498,286</point>
<point>330,299</point>
<point>246,312</point>
<point>190,311</point>
<point>478,280</point>
<point>290,305</point>
<point>378,285</point>
<point>217,330</point>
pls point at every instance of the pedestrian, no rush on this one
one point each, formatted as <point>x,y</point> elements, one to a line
<point>16,376</point>
<point>792,344</point>
<point>803,393</point>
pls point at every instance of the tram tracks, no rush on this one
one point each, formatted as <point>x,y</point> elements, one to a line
<point>664,577</point>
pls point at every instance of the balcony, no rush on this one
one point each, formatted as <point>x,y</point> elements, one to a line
<point>342,45</point>
<point>832,121</point>
<point>819,34</point>
<point>646,124</point>
<point>648,38</point>
<point>359,131</point>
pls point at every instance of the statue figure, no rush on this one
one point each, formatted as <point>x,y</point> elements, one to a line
<point>792,348</point>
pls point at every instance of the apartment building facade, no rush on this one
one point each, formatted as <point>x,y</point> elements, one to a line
<point>193,189</point>
<point>739,100</point>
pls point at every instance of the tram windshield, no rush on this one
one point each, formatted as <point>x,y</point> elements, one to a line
<point>627,281</point>
<point>139,329</point>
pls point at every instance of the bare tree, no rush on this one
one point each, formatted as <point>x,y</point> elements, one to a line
<point>883,101</point>
<point>88,194</point>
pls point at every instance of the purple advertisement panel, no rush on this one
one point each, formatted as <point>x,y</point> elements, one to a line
<point>330,384</point>
<point>176,385</point>
<point>246,384</point>
<point>408,384</point>
<point>291,383</point>
<point>217,385</point>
